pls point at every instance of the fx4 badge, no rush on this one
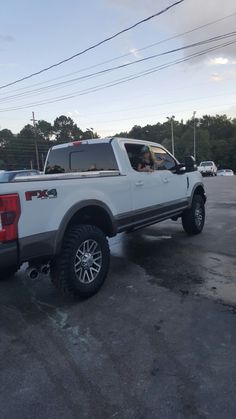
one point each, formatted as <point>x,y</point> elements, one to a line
<point>44,194</point>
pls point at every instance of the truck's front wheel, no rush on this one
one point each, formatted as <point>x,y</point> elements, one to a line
<point>193,219</point>
<point>82,266</point>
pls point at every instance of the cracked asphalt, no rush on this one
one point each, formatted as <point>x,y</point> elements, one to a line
<point>158,340</point>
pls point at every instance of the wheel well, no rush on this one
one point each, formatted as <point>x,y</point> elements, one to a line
<point>96,216</point>
<point>200,191</point>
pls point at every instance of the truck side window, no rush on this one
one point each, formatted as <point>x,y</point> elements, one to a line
<point>134,152</point>
<point>163,160</point>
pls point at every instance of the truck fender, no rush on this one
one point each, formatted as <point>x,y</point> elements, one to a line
<point>111,227</point>
<point>198,189</point>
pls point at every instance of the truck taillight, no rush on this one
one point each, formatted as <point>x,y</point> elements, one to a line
<point>9,217</point>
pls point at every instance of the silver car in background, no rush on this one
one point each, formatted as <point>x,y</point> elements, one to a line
<point>225,172</point>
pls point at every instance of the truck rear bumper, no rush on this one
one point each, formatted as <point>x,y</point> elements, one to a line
<point>207,172</point>
<point>8,255</point>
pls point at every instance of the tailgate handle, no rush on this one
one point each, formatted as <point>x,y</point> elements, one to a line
<point>139,183</point>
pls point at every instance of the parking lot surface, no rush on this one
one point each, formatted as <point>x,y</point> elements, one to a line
<point>157,341</point>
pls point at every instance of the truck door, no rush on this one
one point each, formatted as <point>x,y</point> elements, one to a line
<point>175,184</point>
<point>147,187</point>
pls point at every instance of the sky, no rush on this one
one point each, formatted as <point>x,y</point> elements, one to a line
<point>34,35</point>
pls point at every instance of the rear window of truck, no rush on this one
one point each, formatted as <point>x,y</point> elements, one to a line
<point>81,158</point>
<point>207,163</point>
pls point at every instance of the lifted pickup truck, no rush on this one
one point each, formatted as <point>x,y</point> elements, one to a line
<point>92,190</point>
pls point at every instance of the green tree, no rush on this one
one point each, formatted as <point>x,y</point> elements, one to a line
<point>44,129</point>
<point>63,128</point>
<point>6,136</point>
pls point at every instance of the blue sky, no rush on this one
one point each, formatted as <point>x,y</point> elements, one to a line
<point>36,34</point>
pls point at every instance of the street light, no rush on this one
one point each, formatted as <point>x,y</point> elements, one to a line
<point>194,134</point>
<point>171,119</point>
<point>91,131</point>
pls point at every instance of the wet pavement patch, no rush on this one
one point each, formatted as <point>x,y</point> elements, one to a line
<point>174,261</point>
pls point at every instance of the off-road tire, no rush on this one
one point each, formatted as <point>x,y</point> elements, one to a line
<point>193,218</point>
<point>63,267</point>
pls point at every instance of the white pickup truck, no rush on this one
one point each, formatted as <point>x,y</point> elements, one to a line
<point>92,190</point>
<point>207,168</point>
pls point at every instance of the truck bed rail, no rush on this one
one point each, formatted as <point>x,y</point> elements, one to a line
<point>65,176</point>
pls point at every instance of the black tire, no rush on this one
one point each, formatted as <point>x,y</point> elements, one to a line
<point>193,219</point>
<point>7,273</point>
<point>63,268</point>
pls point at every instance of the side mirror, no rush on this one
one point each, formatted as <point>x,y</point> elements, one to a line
<point>190,164</point>
<point>180,168</point>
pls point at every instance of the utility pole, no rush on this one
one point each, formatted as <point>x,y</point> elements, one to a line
<point>43,160</point>
<point>35,140</point>
<point>171,119</point>
<point>194,134</point>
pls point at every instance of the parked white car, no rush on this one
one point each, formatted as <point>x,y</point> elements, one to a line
<point>207,168</point>
<point>225,172</point>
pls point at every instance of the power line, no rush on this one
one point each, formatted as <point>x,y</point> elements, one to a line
<point>120,81</point>
<point>129,53</point>
<point>174,102</point>
<point>164,113</point>
<point>131,117</point>
<point>95,45</point>
<point>144,73</point>
<point>151,94</point>
<point>141,60</point>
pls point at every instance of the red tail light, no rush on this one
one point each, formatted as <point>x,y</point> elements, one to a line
<point>77,143</point>
<point>9,217</point>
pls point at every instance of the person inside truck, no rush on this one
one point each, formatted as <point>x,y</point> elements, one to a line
<point>145,161</point>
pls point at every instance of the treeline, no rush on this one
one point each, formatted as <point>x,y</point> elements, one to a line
<point>18,151</point>
<point>215,140</point>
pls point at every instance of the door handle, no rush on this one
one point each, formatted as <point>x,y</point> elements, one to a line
<point>139,183</point>
<point>165,180</point>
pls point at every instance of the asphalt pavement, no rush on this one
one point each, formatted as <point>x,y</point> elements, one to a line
<point>158,340</point>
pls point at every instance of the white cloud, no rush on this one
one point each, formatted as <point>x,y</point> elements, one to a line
<point>186,16</point>
<point>219,61</point>
<point>135,52</point>
<point>216,77</point>
<point>231,112</point>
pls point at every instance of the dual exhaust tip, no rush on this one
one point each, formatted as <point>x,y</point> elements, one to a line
<point>33,272</point>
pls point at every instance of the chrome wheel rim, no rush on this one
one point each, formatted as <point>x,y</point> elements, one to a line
<point>198,216</point>
<point>88,261</point>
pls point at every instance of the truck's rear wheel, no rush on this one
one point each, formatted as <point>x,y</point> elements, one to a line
<point>82,266</point>
<point>193,219</point>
